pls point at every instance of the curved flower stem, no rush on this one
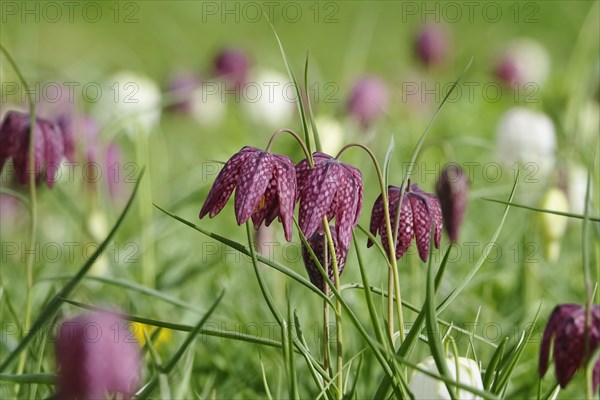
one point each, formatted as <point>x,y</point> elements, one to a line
<point>32,203</point>
<point>298,139</point>
<point>338,310</point>
<point>392,264</point>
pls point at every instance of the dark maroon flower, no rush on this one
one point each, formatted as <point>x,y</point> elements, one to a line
<point>453,189</point>
<point>265,188</point>
<point>232,65</point>
<point>566,327</point>
<point>368,100</point>
<point>420,210</point>
<point>319,245</point>
<point>14,143</point>
<point>96,358</point>
<point>331,189</point>
<point>181,85</point>
<point>431,45</point>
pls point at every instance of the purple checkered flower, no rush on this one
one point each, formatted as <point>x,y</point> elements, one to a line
<point>50,145</point>
<point>331,189</point>
<point>318,243</point>
<point>265,188</point>
<point>566,328</point>
<point>96,358</point>
<point>452,189</point>
<point>419,211</point>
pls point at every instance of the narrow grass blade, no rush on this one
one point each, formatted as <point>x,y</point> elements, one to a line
<point>313,125</point>
<point>54,304</point>
<point>301,109</point>
<point>492,371</point>
<point>244,250</point>
<point>149,388</point>
<point>43,379</point>
<point>264,378</point>
<point>564,214</point>
<point>433,338</point>
<point>388,160</point>
<point>221,333</point>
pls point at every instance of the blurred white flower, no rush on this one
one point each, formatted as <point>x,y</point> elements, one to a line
<point>526,136</point>
<point>523,61</point>
<point>133,99</point>
<point>576,187</point>
<point>331,134</point>
<point>425,387</point>
<point>553,226</point>
<point>207,105</point>
<point>269,98</point>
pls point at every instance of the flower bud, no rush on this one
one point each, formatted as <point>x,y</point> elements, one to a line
<point>96,357</point>
<point>453,191</point>
<point>553,226</point>
<point>318,243</point>
<point>431,46</point>
<point>425,387</point>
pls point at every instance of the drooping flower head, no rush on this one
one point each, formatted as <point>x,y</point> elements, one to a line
<point>524,63</point>
<point>49,144</point>
<point>463,370</point>
<point>330,189</point>
<point>318,243</point>
<point>452,189</point>
<point>96,357</point>
<point>368,100</point>
<point>265,188</point>
<point>419,212</point>
<point>181,85</point>
<point>566,329</point>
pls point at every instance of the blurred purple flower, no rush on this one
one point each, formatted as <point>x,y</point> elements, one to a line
<point>566,327</point>
<point>524,63</point>
<point>232,65</point>
<point>14,143</point>
<point>319,245</point>
<point>368,100</point>
<point>431,45</point>
<point>453,189</point>
<point>331,189</point>
<point>420,210</point>
<point>265,188</point>
<point>96,357</point>
<point>181,86</point>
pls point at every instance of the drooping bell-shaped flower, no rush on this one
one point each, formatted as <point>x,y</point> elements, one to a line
<point>368,100</point>
<point>566,329</point>
<point>49,146</point>
<point>96,358</point>
<point>265,188</point>
<point>528,137</point>
<point>319,245</point>
<point>453,190</point>
<point>330,189</point>
<point>425,387</point>
<point>431,45</point>
<point>180,86</point>
<point>420,212</point>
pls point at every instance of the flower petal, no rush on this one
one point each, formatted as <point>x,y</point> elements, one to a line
<point>225,183</point>
<point>569,346</point>
<point>421,222</point>
<point>286,191</point>
<point>556,320</point>
<point>253,180</point>
<point>53,150</point>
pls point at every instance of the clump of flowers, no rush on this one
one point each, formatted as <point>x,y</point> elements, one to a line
<point>95,358</point>
<point>420,211</point>
<point>49,146</point>
<point>567,331</point>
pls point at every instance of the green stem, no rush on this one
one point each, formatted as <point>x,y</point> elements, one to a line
<point>298,139</point>
<point>392,264</point>
<point>338,310</point>
<point>32,203</point>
